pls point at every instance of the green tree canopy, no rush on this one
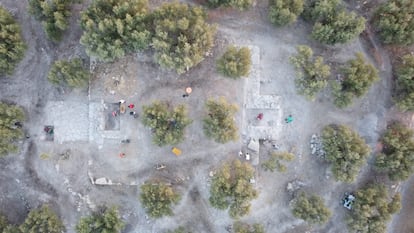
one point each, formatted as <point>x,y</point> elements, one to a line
<point>113,28</point>
<point>240,227</point>
<point>219,123</point>
<point>283,12</point>
<point>12,46</point>
<point>182,37</point>
<point>231,188</point>
<point>157,198</point>
<point>358,77</point>
<point>105,221</point>
<point>397,155</point>
<point>346,150</point>
<point>54,15</point>
<point>42,220</point>
<point>167,125</point>
<point>372,209</point>
<point>310,208</point>
<point>10,117</point>
<point>5,227</point>
<point>333,23</point>
<point>404,90</point>
<point>275,159</point>
<point>395,22</point>
<point>71,73</point>
<point>312,73</point>
<point>240,4</point>
<point>235,62</point>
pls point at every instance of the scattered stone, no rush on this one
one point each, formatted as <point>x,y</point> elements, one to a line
<point>294,185</point>
<point>317,146</point>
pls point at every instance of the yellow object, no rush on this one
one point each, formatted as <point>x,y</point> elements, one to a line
<point>176,151</point>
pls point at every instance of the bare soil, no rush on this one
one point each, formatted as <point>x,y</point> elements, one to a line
<point>28,180</point>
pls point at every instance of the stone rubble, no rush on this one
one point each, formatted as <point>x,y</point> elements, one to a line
<point>316,146</point>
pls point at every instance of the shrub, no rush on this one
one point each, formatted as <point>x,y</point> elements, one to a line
<point>219,123</point>
<point>106,220</point>
<point>42,220</point>
<point>358,78</point>
<point>240,4</point>
<point>310,208</point>
<point>113,28</point>
<point>372,209</point>
<point>240,227</point>
<point>333,24</point>
<point>274,162</point>
<point>11,43</point>
<point>283,12</point>
<point>5,227</point>
<point>397,155</point>
<point>54,15</point>
<point>157,199</point>
<point>10,118</point>
<point>312,73</point>
<point>167,125</point>
<point>395,22</point>
<point>404,90</point>
<point>182,37</point>
<point>235,62</point>
<point>70,73</point>
<point>231,188</point>
<point>346,150</point>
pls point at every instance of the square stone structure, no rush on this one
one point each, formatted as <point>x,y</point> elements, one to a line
<point>70,119</point>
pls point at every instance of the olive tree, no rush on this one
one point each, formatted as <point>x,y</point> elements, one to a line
<point>241,227</point>
<point>372,209</point>
<point>54,15</point>
<point>219,123</point>
<point>113,28</point>
<point>312,74</point>
<point>346,150</point>
<point>157,198</point>
<point>42,220</point>
<point>182,36</point>
<point>395,22</point>
<point>333,23</point>
<point>6,227</point>
<point>231,188</point>
<point>11,117</point>
<point>69,72</point>
<point>397,156</point>
<point>358,77</point>
<point>404,84</point>
<point>167,124</point>
<point>310,208</point>
<point>240,4</point>
<point>283,12</point>
<point>11,43</point>
<point>105,220</point>
<point>235,62</point>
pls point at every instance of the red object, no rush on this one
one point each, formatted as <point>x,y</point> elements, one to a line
<point>114,113</point>
<point>122,155</point>
<point>260,116</point>
<point>131,106</point>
